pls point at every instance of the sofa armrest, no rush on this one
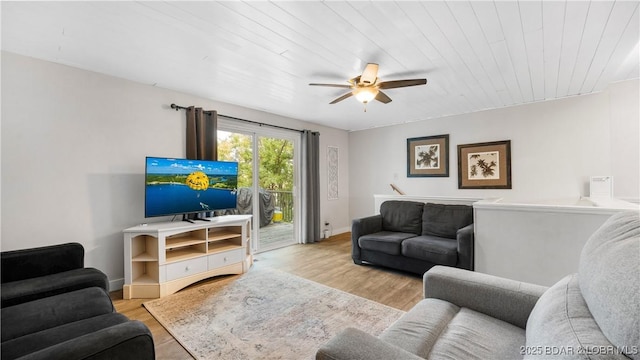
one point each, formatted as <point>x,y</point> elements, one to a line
<point>130,340</point>
<point>466,246</point>
<point>505,299</point>
<point>41,261</point>
<point>363,226</point>
<point>366,225</point>
<point>354,344</point>
<point>18,292</point>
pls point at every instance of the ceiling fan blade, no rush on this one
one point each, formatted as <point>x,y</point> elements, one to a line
<point>369,75</point>
<point>342,98</point>
<point>401,83</point>
<point>383,98</point>
<point>332,85</point>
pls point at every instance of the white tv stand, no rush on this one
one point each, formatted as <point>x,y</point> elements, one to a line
<point>162,258</point>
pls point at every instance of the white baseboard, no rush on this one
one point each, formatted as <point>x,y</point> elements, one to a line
<point>116,284</point>
<point>338,231</point>
<point>342,230</point>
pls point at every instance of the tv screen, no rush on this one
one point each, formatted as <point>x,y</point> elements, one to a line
<point>182,186</point>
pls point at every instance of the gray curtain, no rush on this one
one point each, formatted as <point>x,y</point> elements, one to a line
<point>202,127</point>
<point>310,187</point>
<point>202,137</point>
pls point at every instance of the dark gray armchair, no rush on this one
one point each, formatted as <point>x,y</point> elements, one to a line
<point>55,308</point>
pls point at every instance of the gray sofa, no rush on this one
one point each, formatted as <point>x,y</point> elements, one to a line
<point>594,314</point>
<point>55,308</point>
<point>414,236</point>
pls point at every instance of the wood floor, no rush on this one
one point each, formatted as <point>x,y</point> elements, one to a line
<point>327,262</point>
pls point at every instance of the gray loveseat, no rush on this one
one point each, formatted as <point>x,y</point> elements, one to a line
<point>594,314</point>
<point>414,236</point>
<point>55,308</point>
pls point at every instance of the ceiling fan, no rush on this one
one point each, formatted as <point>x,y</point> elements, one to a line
<point>367,86</point>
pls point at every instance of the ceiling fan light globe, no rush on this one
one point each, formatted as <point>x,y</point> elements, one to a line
<point>364,95</point>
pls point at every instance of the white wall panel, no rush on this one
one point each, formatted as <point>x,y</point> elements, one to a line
<point>617,54</point>
<point>574,22</point>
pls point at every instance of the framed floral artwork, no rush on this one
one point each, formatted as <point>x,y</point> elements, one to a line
<point>485,165</point>
<point>428,156</point>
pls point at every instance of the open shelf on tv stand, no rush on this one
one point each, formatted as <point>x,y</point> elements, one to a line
<point>162,258</point>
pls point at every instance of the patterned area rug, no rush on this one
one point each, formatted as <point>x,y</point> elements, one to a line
<point>265,314</point>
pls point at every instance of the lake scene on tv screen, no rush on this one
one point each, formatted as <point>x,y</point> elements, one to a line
<point>180,186</point>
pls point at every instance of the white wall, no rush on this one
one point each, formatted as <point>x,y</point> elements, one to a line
<point>555,147</point>
<point>73,144</point>
<point>73,149</point>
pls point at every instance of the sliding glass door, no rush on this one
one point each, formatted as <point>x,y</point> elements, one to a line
<point>267,181</point>
<point>276,184</point>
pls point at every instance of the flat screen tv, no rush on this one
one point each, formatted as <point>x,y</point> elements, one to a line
<point>182,186</point>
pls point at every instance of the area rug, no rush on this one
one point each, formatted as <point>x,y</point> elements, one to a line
<point>264,314</point>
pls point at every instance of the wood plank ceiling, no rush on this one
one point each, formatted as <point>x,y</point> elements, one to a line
<point>476,55</point>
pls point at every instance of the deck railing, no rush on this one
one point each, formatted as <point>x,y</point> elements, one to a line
<point>284,203</point>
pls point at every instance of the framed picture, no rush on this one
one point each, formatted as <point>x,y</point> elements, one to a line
<point>485,165</point>
<point>428,156</point>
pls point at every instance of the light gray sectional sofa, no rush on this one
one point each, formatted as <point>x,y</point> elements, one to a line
<point>594,314</point>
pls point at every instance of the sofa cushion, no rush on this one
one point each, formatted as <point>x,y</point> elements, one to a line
<point>43,339</point>
<point>387,242</point>
<point>445,220</point>
<point>438,329</point>
<point>128,340</point>
<point>561,325</point>
<point>434,249</point>
<point>17,292</point>
<point>472,335</point>
<point>53,311</point>
<point>610,282</point>
<point>402,216</point>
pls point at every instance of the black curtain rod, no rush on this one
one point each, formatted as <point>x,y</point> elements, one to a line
<point>178,107</point>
